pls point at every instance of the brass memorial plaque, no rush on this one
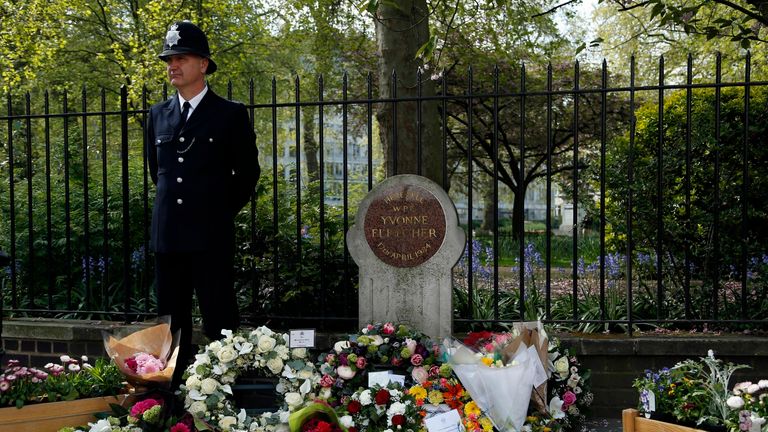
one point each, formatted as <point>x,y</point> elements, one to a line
<point>405,226</point>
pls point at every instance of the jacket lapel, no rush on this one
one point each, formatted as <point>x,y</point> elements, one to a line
<point>173,112</point>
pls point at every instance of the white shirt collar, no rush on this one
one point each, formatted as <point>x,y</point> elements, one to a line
<point>195,101</point>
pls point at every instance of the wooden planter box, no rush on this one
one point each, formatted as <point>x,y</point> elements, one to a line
<point>632,421</point>
<point>52,416</point>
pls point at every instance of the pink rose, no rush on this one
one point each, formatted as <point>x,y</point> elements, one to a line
<point>416,360</point>
<point>419,374</point>
<point>569,398</point>
<point>434,371</point>
<point>361,362</point>
<point>411,345</point>
<point>388,329</point>
<point>488,347</point>
<point>327,381</point>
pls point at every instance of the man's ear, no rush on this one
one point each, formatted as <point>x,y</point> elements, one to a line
<point>204,65</point>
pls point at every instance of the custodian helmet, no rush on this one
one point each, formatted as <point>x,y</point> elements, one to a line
<point>183,37</point>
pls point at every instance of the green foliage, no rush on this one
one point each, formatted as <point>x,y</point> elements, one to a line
<point>713,203</point>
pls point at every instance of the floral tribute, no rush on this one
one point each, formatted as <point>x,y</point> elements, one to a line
<point>384,346</point>
<point>380,409</point>
<point>145,415</point>
<point>442,392</point>
<point>73,378</point>
<point>565,398</point>
<point>147,357</point>
<point>695,393</point>
<point>208,383</point>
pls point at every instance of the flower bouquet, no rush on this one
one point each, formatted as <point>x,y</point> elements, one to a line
<point>695,393</point>
<point>146,357</point>
<point>442,392</point>
<point>500,376</point>
<point>395,347</point>
<point>378,409</point>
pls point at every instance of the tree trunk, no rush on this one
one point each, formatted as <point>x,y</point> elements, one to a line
<point>402,28</point>
<point>489,209</point>
<point>310,147</point>
<point>518,214</point>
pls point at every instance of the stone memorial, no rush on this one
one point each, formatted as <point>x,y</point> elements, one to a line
<point>405,241</point>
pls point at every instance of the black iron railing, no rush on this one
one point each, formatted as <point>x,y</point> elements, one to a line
<point>76,204</point>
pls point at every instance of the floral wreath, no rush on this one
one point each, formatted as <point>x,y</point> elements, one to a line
<point>207,389</point>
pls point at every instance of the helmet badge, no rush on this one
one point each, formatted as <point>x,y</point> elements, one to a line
<point>172,37</point>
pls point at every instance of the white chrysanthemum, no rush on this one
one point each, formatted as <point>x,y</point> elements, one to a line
<point>365,398</point>
<point>347,421</point>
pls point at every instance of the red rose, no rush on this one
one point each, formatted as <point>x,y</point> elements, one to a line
<point>398,420</point>
<point>396,361</point>
<point>354,407</point>
<point>416,360</point>
<point>382,397</point>
<point>323,427</point>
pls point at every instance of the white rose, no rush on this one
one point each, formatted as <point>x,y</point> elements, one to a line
<point>299,353</point>
<point>266,343</point>
<point>345,372</point>
<point>275,365</point>
<point>208,386</point>
<point>265,331</point>
<point>226,354</point>
<point>347,421</point>
<point>198,408</point>
<point>214,346</point>
<point>193,382</point>
<point>735,402</point>
<point>561,367</point>
<point>293,399</point>
<point>227,422</point>
<point>325,393</point>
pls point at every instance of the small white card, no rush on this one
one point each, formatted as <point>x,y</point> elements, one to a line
<point>446,422</point>
<point>399,379</point>
<point>379,378</point>
<point>302,338</point>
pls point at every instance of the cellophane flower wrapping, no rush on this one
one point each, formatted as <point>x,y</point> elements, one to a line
<point>148,345</point>
<point>532,334</point>
<point>502,389</point>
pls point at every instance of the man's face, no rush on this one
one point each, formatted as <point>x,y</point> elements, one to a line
<point>186,70</point>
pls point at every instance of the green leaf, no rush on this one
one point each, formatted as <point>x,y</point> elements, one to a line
<point>657,9</point>
<point>370,6</point>
<point>745,43</point>
<point>427,49</point>
<point>119,410</point>
<point>581,48</point>
<point>201,425</point>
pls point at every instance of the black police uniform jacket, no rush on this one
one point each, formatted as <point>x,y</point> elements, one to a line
<point>205,173</point>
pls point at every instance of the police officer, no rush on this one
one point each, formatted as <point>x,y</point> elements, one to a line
<point>202,156</point>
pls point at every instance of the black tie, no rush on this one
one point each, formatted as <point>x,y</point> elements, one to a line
<point>184,114</point>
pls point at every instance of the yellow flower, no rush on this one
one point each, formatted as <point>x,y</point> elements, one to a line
<point>486,424</point>
<point>435,397</point>
<point>531,419</point>
<point>418,392</point>
<point>546,429</point>
<point>471,408</point>
<point>487,361</point>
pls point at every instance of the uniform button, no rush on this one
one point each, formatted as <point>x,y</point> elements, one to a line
<point>210,139</point>
<point>158,141</point>
<point>181,139</point>
<point>179,180</point>
<point>181,159</point>
<point>179,201</point>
